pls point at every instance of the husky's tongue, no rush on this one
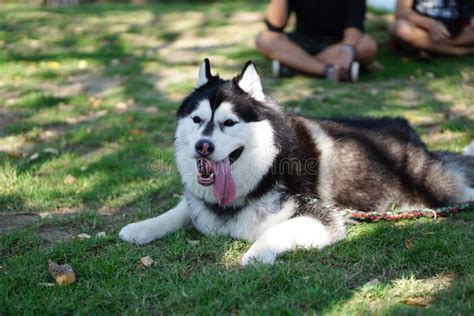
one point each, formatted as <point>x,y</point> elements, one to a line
<point>224,186</point>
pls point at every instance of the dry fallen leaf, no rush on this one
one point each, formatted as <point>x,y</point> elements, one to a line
<point>100,234</point>
<point>47,284</point>
<point>14,154</point>
<point>44,214</point>
<point>63,274</point>
<point>136,132</point>
<point>83,236</point>
<point>147,261</point>
<point>95,102</point>
<point>417,301</point>
<point>51,150</point>
<point>373,282</point>
<point>34,156</point>
<point>193,242</point>
<point>408,244</point>
<point>69,179</point>
<point>53,65</point>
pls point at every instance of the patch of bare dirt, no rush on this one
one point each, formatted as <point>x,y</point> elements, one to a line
<point>411,96</point>
<point>15,144</point>
<point>86,118</point>
<point>8,117</point>
<point>141,40</point>
<point>89,83</point>
<point>57,234</point>
<point>13,221</point>
<point>463,109</point>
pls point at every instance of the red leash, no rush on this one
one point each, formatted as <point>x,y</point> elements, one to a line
<point>398,215</point>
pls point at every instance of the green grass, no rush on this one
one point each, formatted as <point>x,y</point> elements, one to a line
<point>91,91</point>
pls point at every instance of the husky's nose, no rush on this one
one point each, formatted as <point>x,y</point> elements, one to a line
<point>204,148</point>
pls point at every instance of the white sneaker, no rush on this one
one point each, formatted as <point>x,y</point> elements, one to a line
<point>279,70</point>
<point>354,72</point>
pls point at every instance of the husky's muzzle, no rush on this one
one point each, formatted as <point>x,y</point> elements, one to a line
<point>206,167</point>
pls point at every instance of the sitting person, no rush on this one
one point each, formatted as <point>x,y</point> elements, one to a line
<point>328,41</point>
<point>444,27</point>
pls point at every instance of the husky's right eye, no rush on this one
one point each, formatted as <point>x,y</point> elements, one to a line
<point>197,119</point>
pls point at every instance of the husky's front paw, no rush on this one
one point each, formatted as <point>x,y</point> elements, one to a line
<point>258,255</point>
<point>137,233</point>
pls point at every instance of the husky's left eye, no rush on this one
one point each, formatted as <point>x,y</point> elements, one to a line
<point>229,123</point>
<point>197,119</point>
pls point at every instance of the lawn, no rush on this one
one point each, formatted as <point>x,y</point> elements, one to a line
<point>87,102</point>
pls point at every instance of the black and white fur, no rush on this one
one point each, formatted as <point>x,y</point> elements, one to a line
<point>292,168</point>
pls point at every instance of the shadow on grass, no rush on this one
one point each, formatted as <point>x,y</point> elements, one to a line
<point>206,278</point>
<point>87,136</point>
<point>187,277</point>
<point>84,137</point>
<point>436,249</point>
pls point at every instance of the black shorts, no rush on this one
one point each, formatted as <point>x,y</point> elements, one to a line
<point>455,26</point>
<point>313,44</point>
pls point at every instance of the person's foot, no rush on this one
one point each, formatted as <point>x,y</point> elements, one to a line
<point>341,74</point>
<point>353,73</point>
<point>280,71</point>
<point>344,55</point>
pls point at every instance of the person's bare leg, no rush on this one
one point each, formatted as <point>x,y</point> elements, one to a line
<point>342,56</point>
<point>277,46</point>
<point>421,39</point>
<point>465,38</point>
<point>337,55</point>
<point>366,50</point>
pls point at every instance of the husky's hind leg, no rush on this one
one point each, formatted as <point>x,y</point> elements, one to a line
<point>157,227</point>
<point>463,166</point>
<point>305,232</point>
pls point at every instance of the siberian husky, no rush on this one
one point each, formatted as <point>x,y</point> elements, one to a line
<point>255,173</point>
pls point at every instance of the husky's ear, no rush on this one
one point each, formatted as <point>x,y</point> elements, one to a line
<point>204,73</point>
<point>249,81</point>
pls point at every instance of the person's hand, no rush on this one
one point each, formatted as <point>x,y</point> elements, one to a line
<point>439,32</point>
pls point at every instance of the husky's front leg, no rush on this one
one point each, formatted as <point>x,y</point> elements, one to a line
<point>305,232</point>
<point>157,227</point>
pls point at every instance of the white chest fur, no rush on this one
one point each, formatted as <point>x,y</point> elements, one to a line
<point>248,223</point>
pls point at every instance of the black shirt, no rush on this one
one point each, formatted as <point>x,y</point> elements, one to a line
<point>327,17</point>
<point>437,9</point>
<point>445,9</point>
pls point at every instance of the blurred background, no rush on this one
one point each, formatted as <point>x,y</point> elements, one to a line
<point>385,4</point>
